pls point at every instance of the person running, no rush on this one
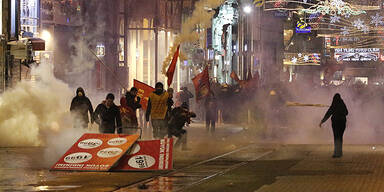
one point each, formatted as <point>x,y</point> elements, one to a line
<point>339,112</point>
<point>107,115</point>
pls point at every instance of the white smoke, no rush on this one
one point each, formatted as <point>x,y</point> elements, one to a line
<point>32,110</point>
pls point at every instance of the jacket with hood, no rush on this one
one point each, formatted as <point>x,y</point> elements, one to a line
<point>81,105</point>
<point>338,110</point>
<point>108,118</point>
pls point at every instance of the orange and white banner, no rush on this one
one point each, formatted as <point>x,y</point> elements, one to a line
<point>95,152</point>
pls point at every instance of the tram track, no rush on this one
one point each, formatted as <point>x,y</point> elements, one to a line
<point>191,175</point>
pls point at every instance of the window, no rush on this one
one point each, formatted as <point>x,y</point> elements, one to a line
<point>121,50</point>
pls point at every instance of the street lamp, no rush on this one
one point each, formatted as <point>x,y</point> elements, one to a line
<point>46,35</point>
<point>247,9</point>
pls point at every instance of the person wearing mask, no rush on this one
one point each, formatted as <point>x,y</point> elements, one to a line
<point>128,106</point>
<point>157,111</point>
<point>107,115</point>
<point>339,112</point>
<point>80,106</point>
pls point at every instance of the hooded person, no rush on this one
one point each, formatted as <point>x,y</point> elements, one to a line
<point>339,112</point>
<point>107,115</point>
<point>128,106</point>
<point>157,110</point>
<point>179,117</point>
<point>80,106</point>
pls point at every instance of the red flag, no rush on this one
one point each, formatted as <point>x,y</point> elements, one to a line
<point>143,92</point>
<point>201,83</point>
<point>172,66</point>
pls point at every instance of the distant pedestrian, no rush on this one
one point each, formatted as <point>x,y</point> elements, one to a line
<point>170,102</point>
<point>107,115</point>
<point>128,107</point>
<point>157,111</point>
<point>185,95</point>
<point>211,112</point>
<point>339,112</point>
<point>80,106</point>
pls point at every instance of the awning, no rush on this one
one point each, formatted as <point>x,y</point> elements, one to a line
<point>37,44</point>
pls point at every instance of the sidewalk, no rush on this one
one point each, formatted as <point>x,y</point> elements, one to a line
<point>302,168</point>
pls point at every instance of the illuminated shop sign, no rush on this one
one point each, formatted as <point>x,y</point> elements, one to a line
<point>302,27</point>
<point>357,54</point>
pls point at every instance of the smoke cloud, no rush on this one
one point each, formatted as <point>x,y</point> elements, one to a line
<point>200,17</point>
<point>31,110</point>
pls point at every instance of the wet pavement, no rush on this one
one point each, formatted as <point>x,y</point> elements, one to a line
<point>27,169</point>
<point>229,161</point>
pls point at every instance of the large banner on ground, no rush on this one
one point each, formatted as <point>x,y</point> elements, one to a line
<point>95,152</point>
<point>143,92</point>
<point>148,155</point>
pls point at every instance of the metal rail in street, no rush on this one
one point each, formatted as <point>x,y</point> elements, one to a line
<point>189,176</point>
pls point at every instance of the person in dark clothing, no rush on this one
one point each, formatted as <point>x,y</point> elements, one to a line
<point>80,106</point>
<point>178,118</point>
<point>128,106</point>
<point>338,111</point>
<point>107,115</point>
<point>170,103</point>
<point>185,95</point>
<point>210,113</point>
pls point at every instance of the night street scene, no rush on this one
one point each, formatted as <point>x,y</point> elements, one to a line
<point>192,95</point>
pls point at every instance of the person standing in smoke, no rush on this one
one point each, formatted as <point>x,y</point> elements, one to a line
<point>128,106</point>
<point>210,113</point>
<point>185,95</point>
<point>107,115</point>
<point>339,112</point>
<point>157,110</point>
<point>80,106</point>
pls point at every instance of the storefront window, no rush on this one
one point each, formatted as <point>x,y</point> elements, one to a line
<point>121,50</point>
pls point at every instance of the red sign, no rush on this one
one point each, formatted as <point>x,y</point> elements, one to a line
<point>95,152</point>
<point>148,155</point>
<point>143,92</point>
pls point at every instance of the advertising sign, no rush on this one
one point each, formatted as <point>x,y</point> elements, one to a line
<point>148,155</point>
<point>95,152</point>
<point>357,54</point>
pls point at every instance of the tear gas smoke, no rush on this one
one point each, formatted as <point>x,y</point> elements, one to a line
<point>300,125</point>
<point>94,27</point>
<point>31,110</point>
<point>200,16</point>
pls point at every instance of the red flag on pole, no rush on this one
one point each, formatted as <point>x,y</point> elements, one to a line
<point>172,66</point>
<point>143,92</point>
<point>201,83</point>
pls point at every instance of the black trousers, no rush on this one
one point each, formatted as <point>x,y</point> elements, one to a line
<point>338,128</point>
